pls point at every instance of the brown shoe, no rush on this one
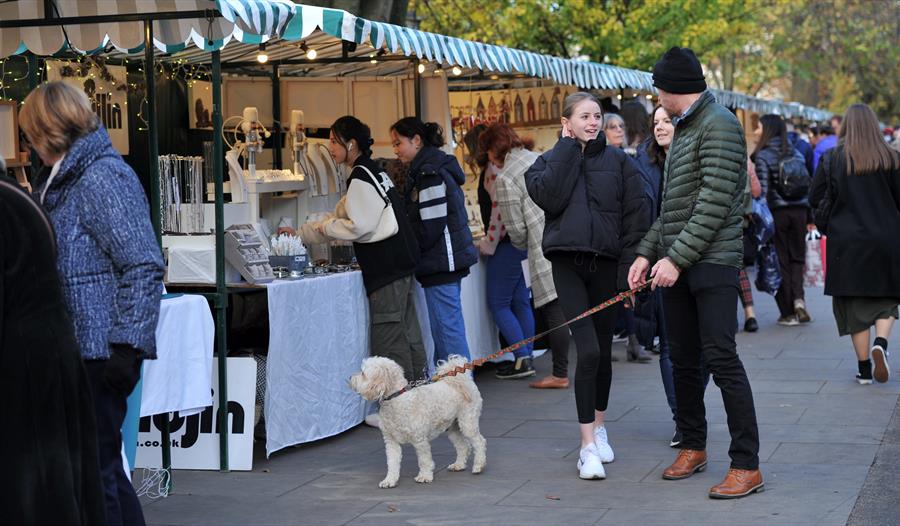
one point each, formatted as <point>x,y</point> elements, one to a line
<point>738,483</point>
<point>550,382</point>
<point>689,461</point>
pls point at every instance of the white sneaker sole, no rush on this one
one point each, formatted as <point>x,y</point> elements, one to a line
<point>589,476</point>
<point>881,372</point>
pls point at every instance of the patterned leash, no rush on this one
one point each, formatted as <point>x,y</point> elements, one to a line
<point>480,361</point>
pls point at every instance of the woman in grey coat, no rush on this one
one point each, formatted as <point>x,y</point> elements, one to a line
<point>109,264</point>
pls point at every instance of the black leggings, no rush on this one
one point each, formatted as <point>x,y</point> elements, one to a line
<point>582,281</point>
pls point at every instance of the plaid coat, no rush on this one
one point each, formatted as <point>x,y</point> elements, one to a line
<point>524,221</point>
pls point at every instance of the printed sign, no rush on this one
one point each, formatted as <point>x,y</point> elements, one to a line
<point>108,95</point>
<point>195,438</point>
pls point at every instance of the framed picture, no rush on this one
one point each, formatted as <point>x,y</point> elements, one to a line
<point>9,132</point>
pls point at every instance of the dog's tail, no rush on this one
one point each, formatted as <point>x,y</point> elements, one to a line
<point>462,382</point>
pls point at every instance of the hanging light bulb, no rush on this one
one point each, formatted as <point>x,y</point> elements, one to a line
<point>421,68</point>
<point>262,57</point>
<point>457,71</point>
<point>311,53</point>
<point>649,97</point>
<point>438,70</point>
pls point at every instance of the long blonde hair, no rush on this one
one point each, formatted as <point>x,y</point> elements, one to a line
<point>55,115</point>
<point>863,142</point>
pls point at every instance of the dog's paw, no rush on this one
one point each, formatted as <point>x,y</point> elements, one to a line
<point>457,466</point>
<point>477,468</point>
<point>424,478</point>
<point>387,483</point>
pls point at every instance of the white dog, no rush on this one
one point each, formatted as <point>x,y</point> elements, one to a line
<point>418,416</point>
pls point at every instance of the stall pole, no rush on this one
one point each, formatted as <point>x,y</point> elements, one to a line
<point>34,78</point>
<point>221,302</point>
<point>153,139</point>
<point>417,88</point>
<point>276,114</point>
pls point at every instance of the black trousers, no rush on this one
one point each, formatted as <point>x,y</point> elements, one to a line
<point>582,281</point>
<point>552,316</point>
<point>701,316</point>
<point>122,504</point>
<point>790,245</point>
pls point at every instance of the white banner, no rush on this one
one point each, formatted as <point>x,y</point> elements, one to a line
<point>195,439</point>
<point>105,88</point>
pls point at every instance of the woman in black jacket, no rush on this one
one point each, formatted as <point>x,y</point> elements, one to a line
<point>860,178</point>
<point>436,208</point>
<point>773,152</point>
<point>596,213</point>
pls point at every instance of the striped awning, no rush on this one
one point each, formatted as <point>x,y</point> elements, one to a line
<point>252,22</point>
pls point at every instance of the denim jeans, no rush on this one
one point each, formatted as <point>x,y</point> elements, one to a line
<point>701,311</point>
<point>507,296</point>
<point>448,329</point>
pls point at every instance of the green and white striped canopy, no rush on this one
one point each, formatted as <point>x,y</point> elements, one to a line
<point>256,21</point>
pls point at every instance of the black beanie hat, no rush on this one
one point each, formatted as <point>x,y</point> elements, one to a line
<point>679,71</point>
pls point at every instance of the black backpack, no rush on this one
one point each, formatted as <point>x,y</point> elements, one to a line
<point>793,178</point>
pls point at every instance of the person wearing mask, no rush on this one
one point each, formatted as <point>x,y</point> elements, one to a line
<point>773,153</point>
<point>49,443</point>
<point>826,140</point>
<point>109,263</point>
<point>436,209</point>
<point>856,198</point>
<point>524,223</point>
<point>590,235</point>
<point>371,215</point>
<point>694,251</point>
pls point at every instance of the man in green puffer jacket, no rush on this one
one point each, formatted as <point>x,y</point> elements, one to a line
<point>697,249</point>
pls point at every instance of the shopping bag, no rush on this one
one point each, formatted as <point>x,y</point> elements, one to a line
<point>813,271</point>
<point>762,223</point>
<point>822,245</point>
<point>768,275</point>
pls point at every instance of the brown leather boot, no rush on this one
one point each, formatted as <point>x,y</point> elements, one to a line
<point>550,382</point>
<point>689,461</point>
<point>738,483</point>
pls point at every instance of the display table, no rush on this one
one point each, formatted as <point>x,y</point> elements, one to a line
<point>319,335</point>
<point>180,379</point>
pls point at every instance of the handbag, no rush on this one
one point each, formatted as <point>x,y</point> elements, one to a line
<point>387,223</point>
<point>768,275</point>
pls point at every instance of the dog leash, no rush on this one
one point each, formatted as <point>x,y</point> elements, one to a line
<point>518,345</point>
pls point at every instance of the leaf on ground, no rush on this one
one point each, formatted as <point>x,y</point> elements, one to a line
<point>553,497</point>
<point>391,509</point>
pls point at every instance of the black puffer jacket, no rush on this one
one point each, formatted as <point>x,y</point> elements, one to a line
<point>436,209</point>
<point>593,201</point>
<point>767,169</point>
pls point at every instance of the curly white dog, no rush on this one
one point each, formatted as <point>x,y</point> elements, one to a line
<point>418,416</point>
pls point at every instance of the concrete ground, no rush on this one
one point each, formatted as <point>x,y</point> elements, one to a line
<point>820,434</point>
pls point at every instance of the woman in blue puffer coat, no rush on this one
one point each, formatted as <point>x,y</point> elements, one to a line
<point>109,263</point>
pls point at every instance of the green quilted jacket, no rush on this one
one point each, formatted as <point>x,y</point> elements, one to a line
<point>702,202</point>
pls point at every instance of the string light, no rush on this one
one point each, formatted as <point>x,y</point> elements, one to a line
<point>262,57</point>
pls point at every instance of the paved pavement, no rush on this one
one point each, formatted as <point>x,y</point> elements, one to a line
<point>820,433</point>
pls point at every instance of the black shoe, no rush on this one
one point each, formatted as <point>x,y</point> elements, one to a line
<point>521,368</point>
<point>655,349</point>
<point>676,439</point>
<point>751,325</point>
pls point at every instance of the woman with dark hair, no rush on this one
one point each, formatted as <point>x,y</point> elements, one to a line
<point>477,162</point>
<point>774,156</point>
<point>371,216</point>
<point>856,198</point>
<point>436,209</point>
<point>590,236</point>
<point>49,442</point>
<point>637,124</point>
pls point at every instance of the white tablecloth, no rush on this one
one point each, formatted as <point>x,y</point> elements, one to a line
<point>180,379</point>
<point>319,335</point>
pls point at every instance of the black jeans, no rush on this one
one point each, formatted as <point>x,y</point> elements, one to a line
<point>552,316</point>
<point>790,245</point>
<point>122,504</point>
<point>701,316</point>
<point>583,281</point>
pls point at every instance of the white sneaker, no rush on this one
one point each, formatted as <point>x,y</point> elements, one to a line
<point>373,420</point>
<point>604,451</point>
<point>880,368</point>
<point>589,464</point>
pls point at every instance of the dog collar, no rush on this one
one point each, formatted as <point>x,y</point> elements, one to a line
<point>395,395</point>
